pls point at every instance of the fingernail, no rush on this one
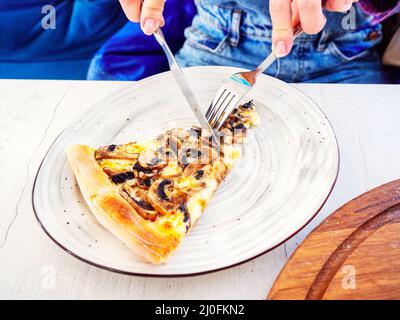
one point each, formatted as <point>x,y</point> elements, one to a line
<point>150,25</point>
<point>280,49</point>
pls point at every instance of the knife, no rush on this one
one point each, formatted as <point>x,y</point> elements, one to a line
<point>184,85</point>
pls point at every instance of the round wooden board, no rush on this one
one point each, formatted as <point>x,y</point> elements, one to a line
<point>353,254</point>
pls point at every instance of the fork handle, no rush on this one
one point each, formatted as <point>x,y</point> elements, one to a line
<point>297,31</point>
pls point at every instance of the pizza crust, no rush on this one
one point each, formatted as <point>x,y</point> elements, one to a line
<point>115,213</point>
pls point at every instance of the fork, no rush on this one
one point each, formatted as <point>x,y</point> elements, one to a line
<point>238,85</point>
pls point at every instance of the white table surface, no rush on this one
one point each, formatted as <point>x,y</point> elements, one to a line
<point>366,119</point>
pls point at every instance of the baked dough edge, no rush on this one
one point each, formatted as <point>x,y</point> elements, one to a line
<point>114,212</point>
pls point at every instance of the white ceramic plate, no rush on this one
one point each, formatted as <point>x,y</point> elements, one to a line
<point>288,170</point>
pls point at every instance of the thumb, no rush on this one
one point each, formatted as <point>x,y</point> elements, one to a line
<point>152,17</point>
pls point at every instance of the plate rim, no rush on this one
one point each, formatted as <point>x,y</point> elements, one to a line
<point>185,275</point>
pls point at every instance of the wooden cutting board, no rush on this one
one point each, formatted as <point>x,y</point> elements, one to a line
<point>353,254</point>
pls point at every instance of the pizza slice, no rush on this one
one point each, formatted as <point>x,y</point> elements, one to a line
<point>149,194</point>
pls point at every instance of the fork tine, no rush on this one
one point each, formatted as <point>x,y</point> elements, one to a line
<point>225,112</point>
<point>215,102</point>
<point>221,98</point>
<point>213,116</point>
<point>222,109</point>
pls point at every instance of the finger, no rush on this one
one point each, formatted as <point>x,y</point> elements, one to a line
<point>152,16</point>
<point>295,13</point>
<point>282,30</point>
<point>311,17</point>
<point>162,23</point>
<point>339,5</point>
<point>131,9</point>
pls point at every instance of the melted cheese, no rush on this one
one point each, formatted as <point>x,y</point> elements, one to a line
<point>171,170</point>
<point>255,119</point>
<point>117,164</point>
<point>231,154</point>
<point>187,182</point>
<point>172,223</point>
<point>198,201</point>
<point>138,147</point>
<point>134,147</point>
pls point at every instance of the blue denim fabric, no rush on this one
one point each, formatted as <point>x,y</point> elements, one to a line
<point>131,55</point>
<point>29,51</point>
<point>238,33</point>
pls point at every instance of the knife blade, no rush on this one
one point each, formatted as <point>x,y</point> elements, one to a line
<point>184,86</point>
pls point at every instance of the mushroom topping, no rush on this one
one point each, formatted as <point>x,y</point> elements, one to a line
<point>231,121</point>
<point>161,189</point>
<point>122,177</point>
<point>143,173</point>
<point>195,132</point>
<point>198,155</point>
<point>189,155</point>
<point>192,168</point>
<point>240,116</point>
<point>199,174</point>
<point>149,160</point>
<point>178,133</point>
<point>114,152</point>
<point>226,136</point>
<point>138,200</point>
<point>239,133</point>
<point>169,148</point>
<point>144,184</point>
<point>144,176</point>
<point>164,197</point>
<point>172,140</point>
<point>237,123</point>
<point>109,171</point>
<point>174,144</point>
<point>201,136</point>
<point>248,105</point>
<point>186,215</point>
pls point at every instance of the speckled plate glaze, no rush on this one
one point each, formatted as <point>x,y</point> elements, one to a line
<point>289,166</point>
